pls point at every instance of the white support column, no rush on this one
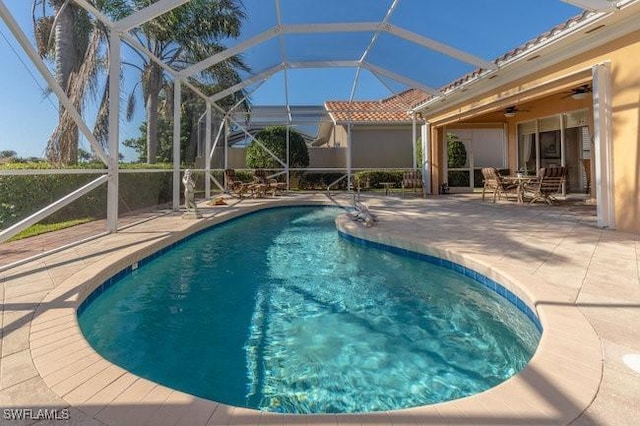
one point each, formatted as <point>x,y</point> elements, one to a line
<point>426,158</point>
<point>177,95</point>
<point>602,140</point>
<point>288,156</point>
<point>114,130</point>
<point>225,123</point>
<point>563,150</point>
<point>207,155</point>
<point>414,139</point>
<point>349,140</point>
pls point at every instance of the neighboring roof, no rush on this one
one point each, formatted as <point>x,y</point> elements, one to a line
<point>394,109</point>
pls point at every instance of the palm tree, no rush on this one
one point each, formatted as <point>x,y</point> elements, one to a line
<point>182,37</point>
<point>66,35</point>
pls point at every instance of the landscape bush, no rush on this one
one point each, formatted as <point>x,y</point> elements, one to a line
<point>23,195</point>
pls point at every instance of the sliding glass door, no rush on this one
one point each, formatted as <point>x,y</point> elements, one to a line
<point>559,140</point>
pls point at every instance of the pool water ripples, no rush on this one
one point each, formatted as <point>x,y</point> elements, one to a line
<point>275,311</point>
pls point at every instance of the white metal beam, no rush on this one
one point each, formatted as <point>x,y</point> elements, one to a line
<point>131,41</point>
<point>249,81</point>
<point>177,101</point>
<point>24,42</point>
<point>440,47</point>
<point>399,78</point>
<point>207,153</point>
<point>241,127</point>
<point>322,64</point>
<point>51,208</point>
<point>347,27</point>
<point>227,53</point>
<point>283,58</point>
<point>148,13</point>
<point>264,75</point>
<point>95,12</point>
<point>364,55</point>
<point>114,130</point>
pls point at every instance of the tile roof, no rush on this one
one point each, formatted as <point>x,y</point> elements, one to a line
<point>394,109</point>
<point>531,44</point>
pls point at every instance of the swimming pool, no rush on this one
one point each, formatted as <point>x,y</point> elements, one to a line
<point>276,311</point>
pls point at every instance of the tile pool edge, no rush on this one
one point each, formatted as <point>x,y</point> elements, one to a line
<point>570,374</point>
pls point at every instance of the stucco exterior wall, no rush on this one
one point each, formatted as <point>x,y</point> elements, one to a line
<point>328,157</point>
<point>540,92</point>
<point>381,147</point>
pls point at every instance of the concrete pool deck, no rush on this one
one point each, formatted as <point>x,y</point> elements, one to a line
<point>583,281</point>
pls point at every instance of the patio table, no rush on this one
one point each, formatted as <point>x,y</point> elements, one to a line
<point>387,186</point>
<point>520,181</point>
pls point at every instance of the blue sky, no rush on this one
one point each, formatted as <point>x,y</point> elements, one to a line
<point>485,28</point>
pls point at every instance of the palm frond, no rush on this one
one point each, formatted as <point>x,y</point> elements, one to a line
<point>131,103</point>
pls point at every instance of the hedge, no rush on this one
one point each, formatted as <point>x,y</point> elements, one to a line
<point>372,178</point>
<point>23,195</point>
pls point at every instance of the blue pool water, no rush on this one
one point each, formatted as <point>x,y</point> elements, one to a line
<point>276,311</point>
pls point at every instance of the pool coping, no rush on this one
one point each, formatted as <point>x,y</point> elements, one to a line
<point>568,362</point>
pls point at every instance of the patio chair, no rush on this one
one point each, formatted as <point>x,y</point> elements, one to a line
<point>271,185</point>
<point>549,184</point>
<point>494,183</point>
<point>411,180</point>
<point>260,186</point>
<point>233,185</point>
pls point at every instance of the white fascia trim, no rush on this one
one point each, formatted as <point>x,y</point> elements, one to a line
<point>148,13</point>
<point>594,5</point>
<point>440,47</point>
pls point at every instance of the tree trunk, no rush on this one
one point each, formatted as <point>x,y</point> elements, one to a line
<point>153,92</point>
<point>65,146</point>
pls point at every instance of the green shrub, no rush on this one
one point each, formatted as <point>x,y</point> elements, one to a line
<point>456,152</point>
<point>275,139</point>
<point>320,181</point>
<point>23,195</point>
<point>372,178</point>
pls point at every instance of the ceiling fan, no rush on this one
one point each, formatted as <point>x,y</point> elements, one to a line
<point>578,93</point>
<point>512,110</point>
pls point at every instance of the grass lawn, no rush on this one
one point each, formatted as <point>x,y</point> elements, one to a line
<point>39,228</point>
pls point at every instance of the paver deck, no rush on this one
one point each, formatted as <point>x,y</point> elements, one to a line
<point>583,282</point>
